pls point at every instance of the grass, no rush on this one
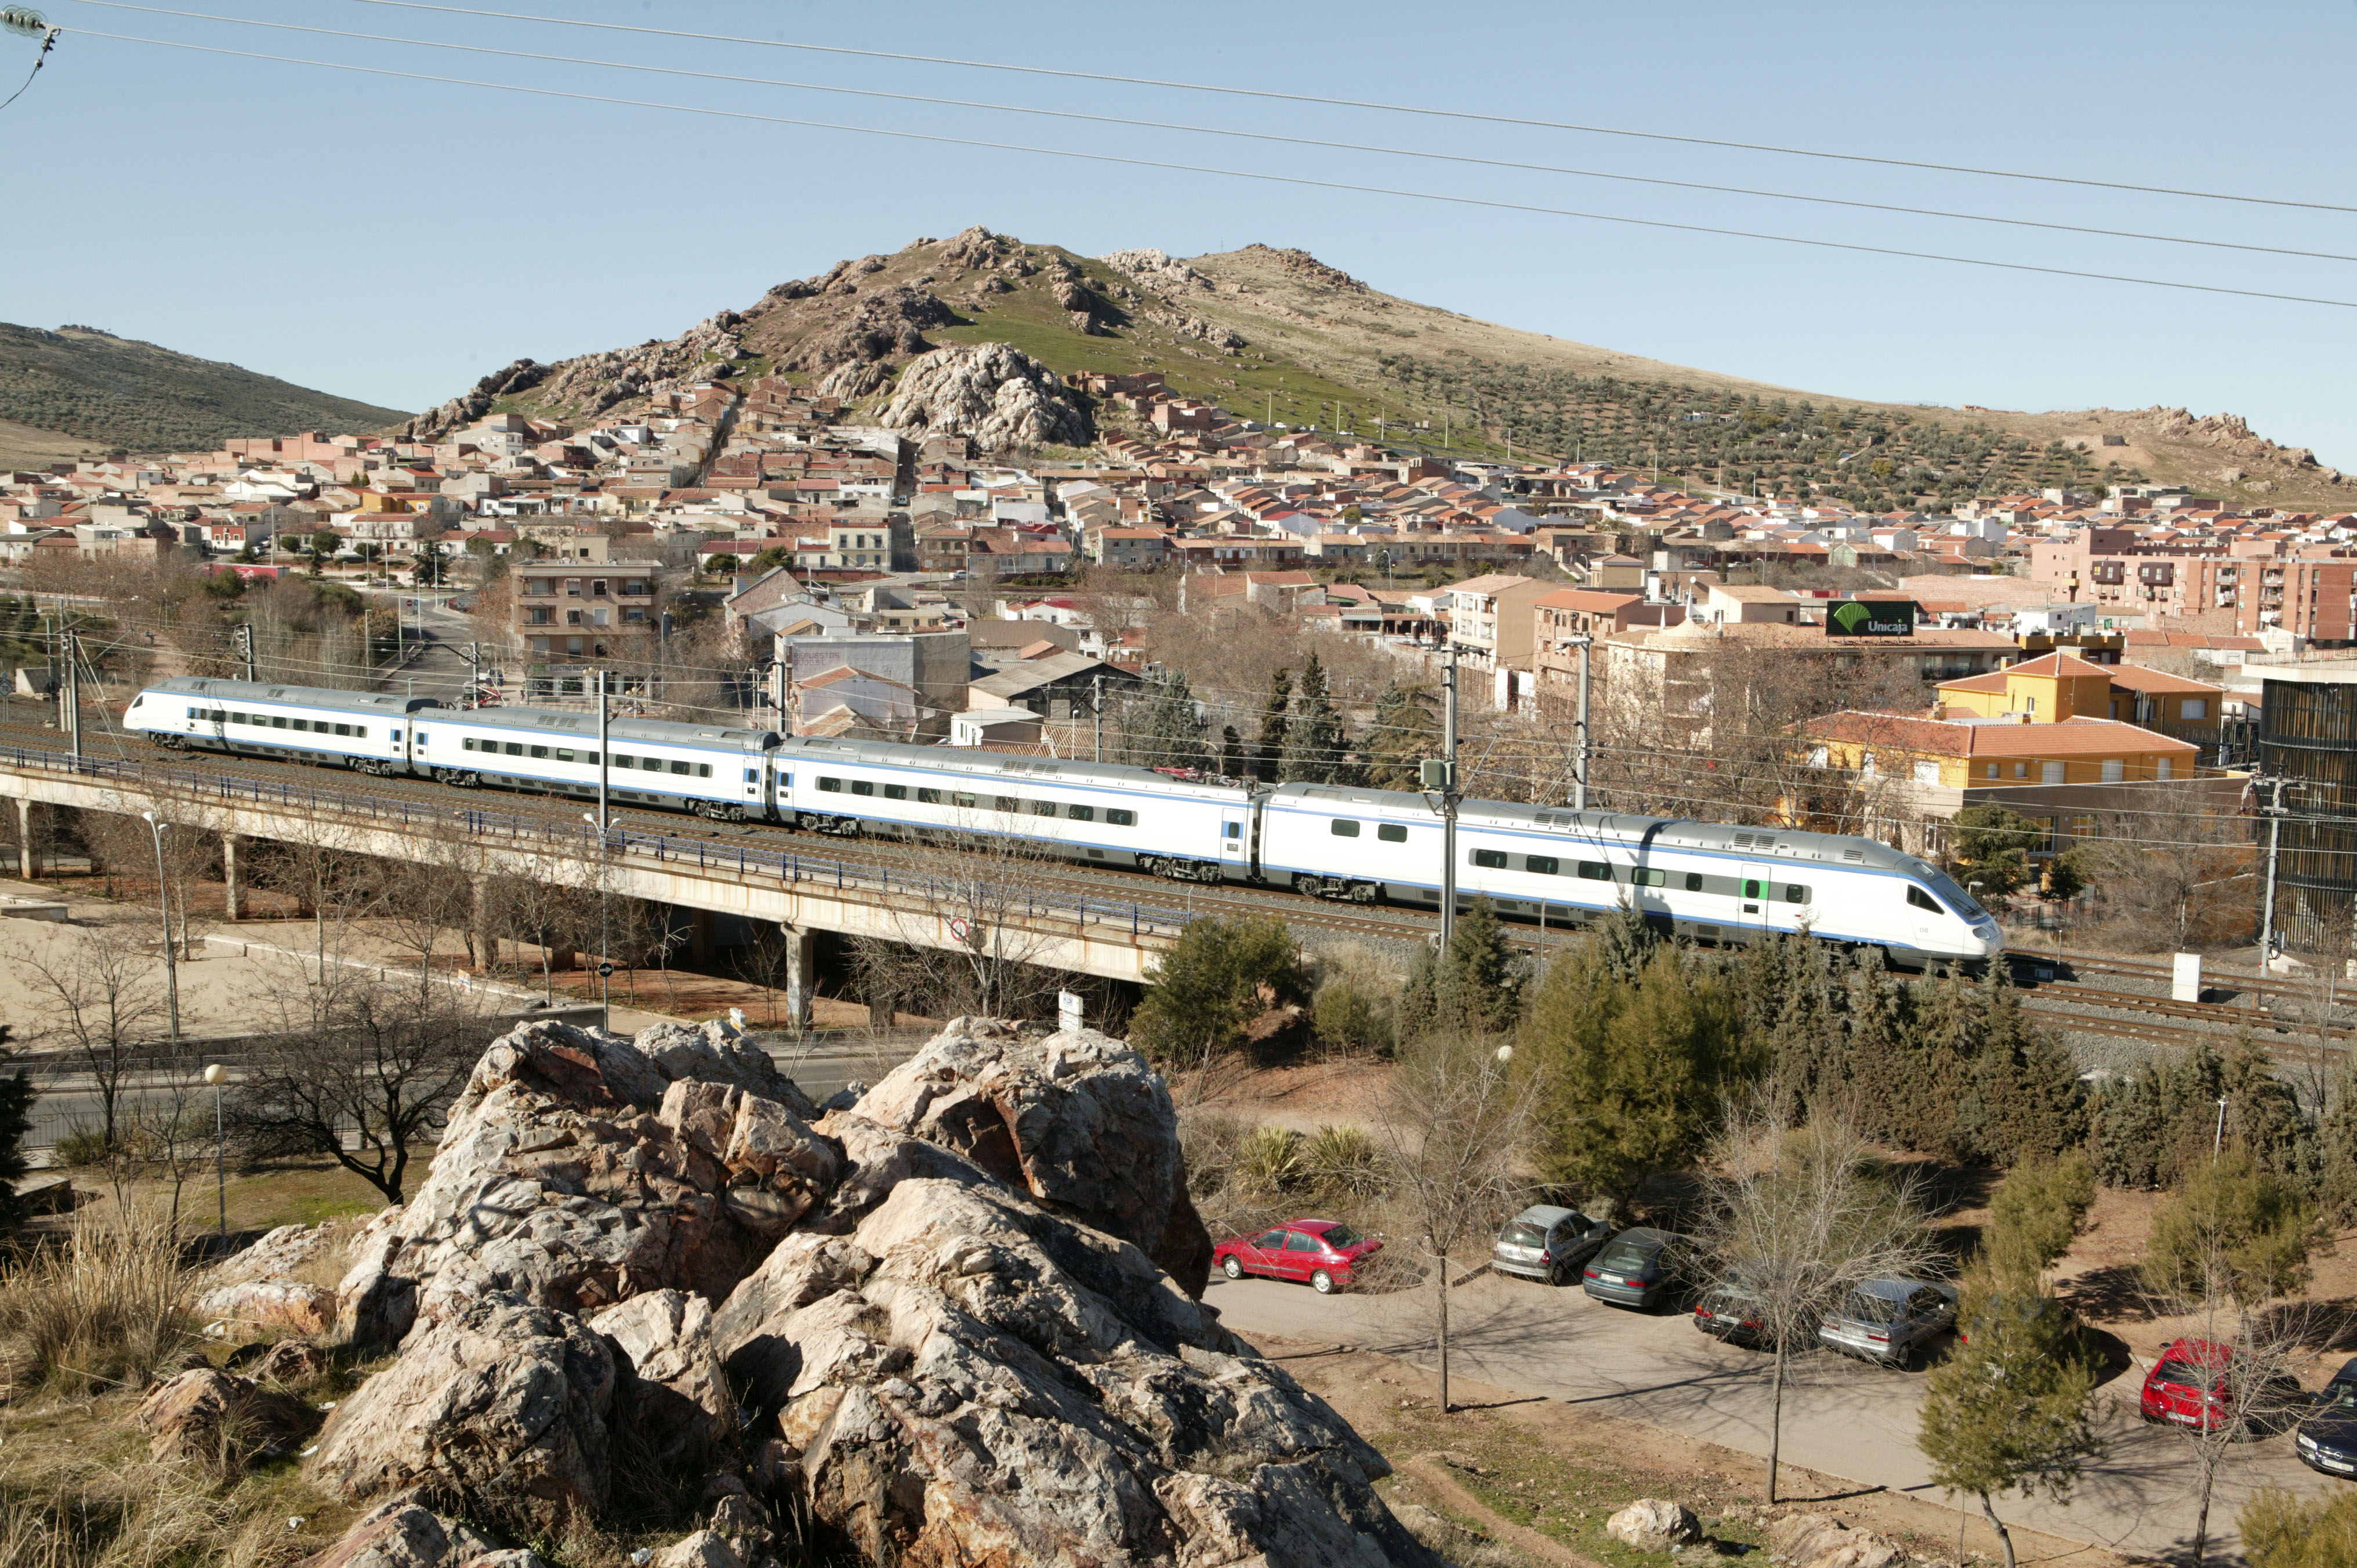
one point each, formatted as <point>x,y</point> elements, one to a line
<point>103,1309</point>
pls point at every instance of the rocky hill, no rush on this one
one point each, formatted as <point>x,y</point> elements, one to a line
<point>78,389</point>
<point>1279,334</point>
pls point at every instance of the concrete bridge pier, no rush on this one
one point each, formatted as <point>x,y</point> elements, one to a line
<point>27,865</point>
<point>801,971</point>
<point>233,886</point>
<point>483,936</point>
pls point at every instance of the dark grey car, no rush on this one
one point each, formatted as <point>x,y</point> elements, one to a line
<point>1640,1268</point>
<point>1891,1321</point>
<point>1546,1242</point>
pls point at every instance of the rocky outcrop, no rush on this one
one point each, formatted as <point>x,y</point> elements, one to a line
<point>962,1377</point>
<point>499,1410</point>
<point>291,1306</point>
<point>887,322</point>
<point>996,393</point>
<point>579,1169</point>
<point>261,1289</point>
<point>1157,271</point>
<point>1655,1524</point>
<point>217,1420</point>
<point>2230,434</point>
<point>402,1534</point>
<point>677,1411</point>
<point>1821,1541</point>
<point>509,381</point>
<point>1078,1120</point>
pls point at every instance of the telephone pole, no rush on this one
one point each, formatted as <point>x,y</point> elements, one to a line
<point>244,645</point>
<point>69,691</point>
<point>603,818</point>
<point>1440,780</point>
<point>2274,811</point>
<point>1579,761</point>
<point>1097,681</point>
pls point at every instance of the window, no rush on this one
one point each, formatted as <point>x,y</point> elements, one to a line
<point>2049,773</point>
<point>1795,894</point>
<point>1081,814</point>
<point>891,791</point>
<point>1344,828</point>
<point>929,797</point>
<point>1694,881</point>
<point>1494,859</point>
<point>2194,708</point>
<point>1992,769</point>
<point>1120,817</point>
<point>1644,877</point>
<point>562,754</point>
<point>965,800</point>
<point>858,786</point>
<point>233,718</point>
<point>513,748</point>
<point>1754,888</point>
<point>2021,770</point>
<point>2161,768</point>
<point>2082,827</point>
<point>1541,865</point>
<point>1927,771</point>
<point>703,770</point>
<point>1043,808</point>
<point>467,744</point>
<point>302,724</point>
<point>360,732</point>
<point>1391,832</point>
<point>1918,900</point>
<point>540,751</point>
<point>2115,769</point>
<point>619,760</point>
<point>1595,871</point>
<point>1007,803</point>
<point>278,721</point>
<point>678,767</point>
<point>832,786</point>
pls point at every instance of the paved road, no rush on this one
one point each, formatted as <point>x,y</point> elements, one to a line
<point>1844,1418</point>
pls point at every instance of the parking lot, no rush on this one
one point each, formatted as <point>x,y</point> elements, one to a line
<point>1841,1417</point>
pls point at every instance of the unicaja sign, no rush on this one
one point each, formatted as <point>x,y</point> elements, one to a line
<point>1871,618</point>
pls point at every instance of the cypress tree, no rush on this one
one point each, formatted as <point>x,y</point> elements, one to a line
<point>1269,749</point>
<point>1160,728</point>
<point>1317,748</point>
<point>1406,731</point>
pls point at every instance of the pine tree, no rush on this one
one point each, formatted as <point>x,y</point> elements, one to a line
<point>1232,758</point>
<point>1406,731</point>
<point>1625,944</point>
<point>2021,1092</point>
<point>1160,728</point>
<point>1317,748</point>
<point>1475,985</point>
<point>1269,749</point>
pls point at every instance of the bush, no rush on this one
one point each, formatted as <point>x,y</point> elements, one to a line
<point>1350,1018</point>
<point>81,1146</point>
<point>2234,1227</point>
<point>109,1308</point>
<point>1269,1160</point>
<point>2282,1530</point>
<point>1342,1161</point>
<point>1216,978</point>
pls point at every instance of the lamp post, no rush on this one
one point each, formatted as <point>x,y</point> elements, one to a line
<point>217,1075</point>
<point>164,899</point>
<point>604,963</point>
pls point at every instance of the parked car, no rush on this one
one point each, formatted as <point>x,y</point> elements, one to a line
<point>1640,1268</point>
<point>1547,1242</point>
<point>1891,1321</point>
<point>2189,1387</point>
<point>1736,1315</point>
<point>1322,1251</point>
<point>2327,1440</point>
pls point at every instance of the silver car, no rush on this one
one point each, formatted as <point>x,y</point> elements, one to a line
<point>1891,1321</point>
<point>1546,1243</point>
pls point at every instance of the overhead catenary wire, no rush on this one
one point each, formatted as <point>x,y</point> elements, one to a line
<point>1132,122</point>
<point>1305,181</point>
<point>1329,102</point>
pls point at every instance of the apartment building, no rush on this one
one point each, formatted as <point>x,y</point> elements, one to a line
<point>582,609</point>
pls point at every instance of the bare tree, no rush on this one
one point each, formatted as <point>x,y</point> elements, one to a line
<point>363,1073</point>
<point>334,884</point>
<point>1797,1217</point>
<point>98,994</point>
<point>426,898</point>
<point>1452,1127</point>
<point>975,936</point>
<point>2175,874</point>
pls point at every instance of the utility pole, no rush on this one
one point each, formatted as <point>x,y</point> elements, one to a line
<point>69,691</point>
<point>164,899</point>
<point>604,821</point>
<point>1098,703</point>
<point>1580,762</point>
<point>2275,809</point>
<point>244,644</point>
<point>1440,778</point>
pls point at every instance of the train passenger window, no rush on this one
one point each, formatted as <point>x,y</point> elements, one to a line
<point>303,724</point>
<point>236,718</point>
<point>1542,864</point>
<point>1043,808</point>
<point>1231,830</point>
<point>891,791</point>
<point>1008,804</point>
<point>1795,894</point>
<point>192,712</point>
<point>343,729</point>
<point>832,786</point>
<point>929,797</point>
<point>1645,877</point>
<point>1595,871</point>
<point>678,767</point>
<point>858,786</point>
<point>966,800</point>
<point>540,751</point>
<point>1081,814</point>
<point>360,732</point>
<point>1694,881</point>
<point>278,721</point>
<point>1391,832</point>
<point>467,744</point>
<point>1921,900</point>
<point>513,748</point>
<point>703,770</point>
<point>1344,828</point>
<point>1495,859</point>
<point>1753,889</point>
<point>1121,816</point>
<point>562,754</point>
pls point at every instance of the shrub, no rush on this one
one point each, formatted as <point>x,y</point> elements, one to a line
<point>1342,1160</point>
<point>2282,1530</point>
<point>1351,1018</point>
<point>2234,1227</point>
<point>1270,1160</point>
<point>1216,978</point>
<point>108,1307</point>
<point>81,1146</point>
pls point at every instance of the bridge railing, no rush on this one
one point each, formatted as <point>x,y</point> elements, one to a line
<point>951,897</point>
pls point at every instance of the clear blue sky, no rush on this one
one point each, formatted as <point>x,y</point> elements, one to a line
<point>392,240</point>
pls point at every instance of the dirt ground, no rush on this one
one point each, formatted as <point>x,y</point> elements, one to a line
<point>1539,1478</point>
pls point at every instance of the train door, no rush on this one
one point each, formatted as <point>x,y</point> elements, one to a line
<point>1757,891</point>
<point>1235,824</point>
<point>757,784</point>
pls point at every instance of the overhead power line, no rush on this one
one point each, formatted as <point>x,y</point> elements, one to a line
<point>1132,122</point>
<point>1324,102</point>
<point>1351,187</point>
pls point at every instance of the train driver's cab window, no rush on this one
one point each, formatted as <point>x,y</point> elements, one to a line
<point>1921,900</point>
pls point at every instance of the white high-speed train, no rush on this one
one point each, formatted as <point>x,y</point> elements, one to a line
<point>1710,880</point>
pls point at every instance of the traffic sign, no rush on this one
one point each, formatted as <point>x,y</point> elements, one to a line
<point>605,972</point>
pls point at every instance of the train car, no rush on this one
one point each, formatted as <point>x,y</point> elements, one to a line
<point>364,730</point>
<point>710,770</point>
<point>1710,881</point>
<point>1095,813</point>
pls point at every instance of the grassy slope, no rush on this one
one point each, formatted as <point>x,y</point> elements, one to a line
<point>78,387</point>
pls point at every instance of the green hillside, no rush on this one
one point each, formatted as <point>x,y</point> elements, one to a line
<point>122,394</point>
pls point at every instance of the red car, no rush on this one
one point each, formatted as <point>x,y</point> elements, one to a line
<point>2187,1386</point>
<point>1319,1251</point>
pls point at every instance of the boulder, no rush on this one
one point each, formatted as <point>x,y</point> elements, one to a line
<point>499,1410</point>
<point>1821,1541</point>
<point>1653,1524</point>
<point>288,1361</point>
<point>993,392</point>
<point>278,1254</point>
<point>404,1534</point>
<point>960,1376</point>
<point>703,1549</point>
<point>579,1169</point>
<point>677,1411</point>
<point>218,1419</point>
<point>1077,1120</point>
<point>291,1306</point>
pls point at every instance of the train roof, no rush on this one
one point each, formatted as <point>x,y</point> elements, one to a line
<point>963,759</point>
<point>303,696</point>
<point>1635,831</point>
<point>561,720</point>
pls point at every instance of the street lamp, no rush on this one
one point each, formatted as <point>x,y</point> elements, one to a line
<point>164,899</point>
<point>604,963</point>
<point>218,1075</point>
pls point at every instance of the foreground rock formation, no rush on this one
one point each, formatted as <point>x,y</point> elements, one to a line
<point>940,1309</point>
<point>997,395</point>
